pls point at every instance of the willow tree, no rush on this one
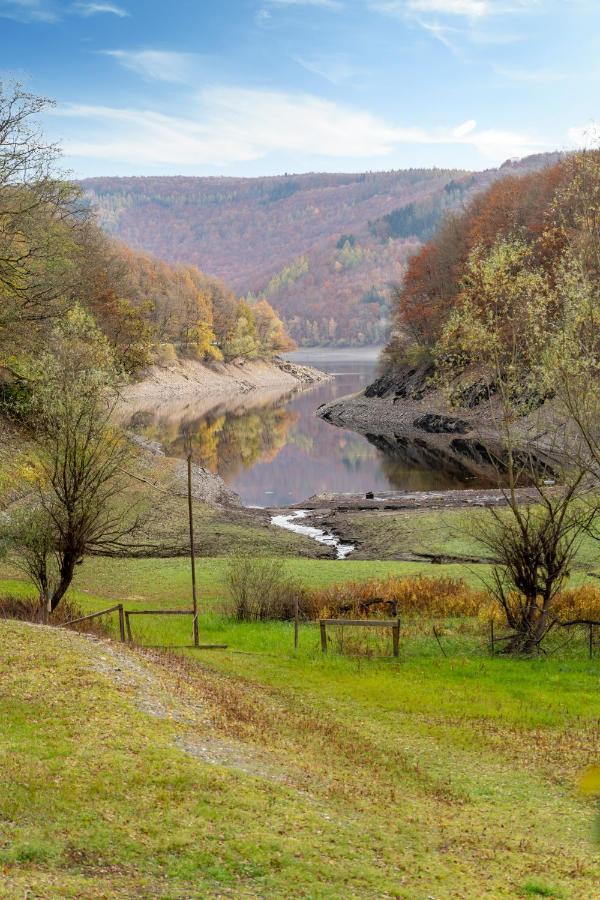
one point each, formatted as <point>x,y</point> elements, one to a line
<point>81,459</point>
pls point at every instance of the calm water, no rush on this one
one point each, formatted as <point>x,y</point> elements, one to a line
<point>275,451</point>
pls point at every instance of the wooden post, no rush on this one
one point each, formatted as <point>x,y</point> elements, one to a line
<point>192,552</point>
<point>396,638</point>
<point>296,622</point>
<point>492,648</point>
<point>128,623</point>
<point>323,636</point>
<point>591,640</point>
<point>121,623</point>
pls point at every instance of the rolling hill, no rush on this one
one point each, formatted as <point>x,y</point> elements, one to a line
<point>322,248</point>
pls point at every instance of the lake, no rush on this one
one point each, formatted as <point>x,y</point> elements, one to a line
<point>275,452</point>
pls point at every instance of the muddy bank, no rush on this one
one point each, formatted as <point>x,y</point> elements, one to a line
<point>187,379</point>
<point>414,500</point>
<point>388,525</point>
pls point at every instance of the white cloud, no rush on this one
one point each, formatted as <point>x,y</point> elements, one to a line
<point>156,65</point>
<point>466,128</point>
<point>470,8</point>
<point>28,10</point>
<point>333,68</point>
<point>237,125</point>
<point>92,9</point>
<point>48,10</point>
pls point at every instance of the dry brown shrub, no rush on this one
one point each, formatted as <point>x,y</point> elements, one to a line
<point>261,589</point>
<point>28,609</point>
<point>431,597</point>
<point>582,602</point>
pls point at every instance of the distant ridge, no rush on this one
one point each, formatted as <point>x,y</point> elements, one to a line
<point>322,247</point>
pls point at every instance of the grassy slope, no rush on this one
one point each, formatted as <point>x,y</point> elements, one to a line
<point>422,777</point>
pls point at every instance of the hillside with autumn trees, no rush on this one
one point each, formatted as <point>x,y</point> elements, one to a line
<point>505,292</point>
<point>321,249</point>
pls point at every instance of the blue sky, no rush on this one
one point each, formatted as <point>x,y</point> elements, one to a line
<point>253,87</point>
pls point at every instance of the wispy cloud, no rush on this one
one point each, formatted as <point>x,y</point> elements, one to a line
<point>335,68</point>
<point>155,65</point>
<point>93,9</point>
<point>471,10</point>
<point>51,11</point>
<point>28,10</point>
<point>236,125</point>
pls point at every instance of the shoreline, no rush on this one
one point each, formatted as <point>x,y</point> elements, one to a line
<point>188,379</point>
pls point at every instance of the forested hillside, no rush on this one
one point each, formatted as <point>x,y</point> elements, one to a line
<point>63,280</point>
<point>504,299</point>
<point>322,248</point>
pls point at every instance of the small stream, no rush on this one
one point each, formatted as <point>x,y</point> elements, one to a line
<point>289,521</point>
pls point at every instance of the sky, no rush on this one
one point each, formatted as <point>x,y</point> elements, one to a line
<point>264,87</point>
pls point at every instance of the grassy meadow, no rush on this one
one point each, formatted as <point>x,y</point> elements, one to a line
<point>427,776</point>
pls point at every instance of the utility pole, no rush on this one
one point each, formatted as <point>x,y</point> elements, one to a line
<point>192,551</point>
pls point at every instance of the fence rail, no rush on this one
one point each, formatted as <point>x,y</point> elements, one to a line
<point>394,624</point>
<point>103,612</point>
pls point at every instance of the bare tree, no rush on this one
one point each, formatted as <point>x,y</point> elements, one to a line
<point>38,212</point>
<point>535,543</point>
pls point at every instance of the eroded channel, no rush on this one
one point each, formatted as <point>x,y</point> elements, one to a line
<point>291,522</point>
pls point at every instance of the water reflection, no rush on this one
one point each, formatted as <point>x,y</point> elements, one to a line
<point>273,451</point>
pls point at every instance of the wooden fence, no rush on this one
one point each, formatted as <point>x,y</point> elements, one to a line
<point>104,612</point>
<point>394,624</point>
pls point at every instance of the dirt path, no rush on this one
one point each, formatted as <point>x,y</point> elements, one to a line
<point>155,688</point>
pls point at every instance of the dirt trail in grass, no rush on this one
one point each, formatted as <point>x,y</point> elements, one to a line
<point>155,696</point>
<point>146,678</point>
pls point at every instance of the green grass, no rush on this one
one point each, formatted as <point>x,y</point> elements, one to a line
<point>450,532</point>
<point>423,776</point>
<point>430,775</point>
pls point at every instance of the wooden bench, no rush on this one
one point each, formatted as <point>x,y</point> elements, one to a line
<point>394,624</point>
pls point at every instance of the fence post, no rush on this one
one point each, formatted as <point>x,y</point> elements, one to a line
<point>492,648</point>
<point>591,640</point>
<point>121,623</point>
<point>128,622</point>
<point>323,636</point>
<point>296,622</point>
<point>396,638</point>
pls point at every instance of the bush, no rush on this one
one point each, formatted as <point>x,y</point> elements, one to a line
<point>29,609</point>
<point>165,355</point>
<point>262,589</point>
<point>581,602</point>
<point>432,597</point>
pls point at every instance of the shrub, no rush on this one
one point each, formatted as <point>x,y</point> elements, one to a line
<point>262,588</point>
<point>582,602</point>
<point>433,597</point>
<point>165,355</point>
<point>29,609</point>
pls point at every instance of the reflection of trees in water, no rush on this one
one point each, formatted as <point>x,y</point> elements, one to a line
<point>227,443</point>
<point>415,464</point>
